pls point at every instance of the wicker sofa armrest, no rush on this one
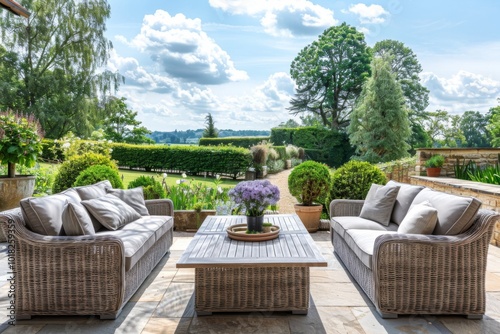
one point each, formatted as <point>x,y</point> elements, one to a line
<point>444,272</point>
<point>160,207</point>
<point>345,207</point>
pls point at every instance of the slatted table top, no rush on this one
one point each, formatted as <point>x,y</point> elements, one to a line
<point>212,247</point>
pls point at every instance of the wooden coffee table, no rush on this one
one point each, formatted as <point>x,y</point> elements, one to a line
<point>241,276</point>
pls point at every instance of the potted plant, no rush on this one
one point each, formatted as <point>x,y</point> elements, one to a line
<point>433,165</point>
<point>20,143</point>
<point>254,197</point>
<point>307,182</point>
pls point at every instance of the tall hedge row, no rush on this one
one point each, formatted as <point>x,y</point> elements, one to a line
<point>245,142</point>
<point>323,145</point>
<point>191,159</point>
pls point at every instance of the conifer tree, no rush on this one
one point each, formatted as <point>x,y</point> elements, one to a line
<point>210,130</point>
<point>379,125</point>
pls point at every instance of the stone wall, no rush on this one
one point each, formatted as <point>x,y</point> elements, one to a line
<point>488,194</point>
<point>482,156</point>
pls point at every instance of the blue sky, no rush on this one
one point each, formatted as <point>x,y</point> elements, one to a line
<point>185,58</point>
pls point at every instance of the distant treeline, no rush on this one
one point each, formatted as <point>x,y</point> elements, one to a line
<point>193,136</point>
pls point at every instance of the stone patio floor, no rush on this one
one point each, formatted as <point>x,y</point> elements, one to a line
<point>164,304</point>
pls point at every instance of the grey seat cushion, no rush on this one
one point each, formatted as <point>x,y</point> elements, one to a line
<point>140,235</point>
<point>342,223</point>
<point>406,195</point>
<point>455,213</point>
<point>379,203</point>
<point>361,243</point>
<point>43,215</point>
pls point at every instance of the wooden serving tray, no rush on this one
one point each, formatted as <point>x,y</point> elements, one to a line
<point>238,232</point>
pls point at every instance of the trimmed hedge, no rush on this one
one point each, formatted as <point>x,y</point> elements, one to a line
<point>225,160</point>
<point>245,142</point>
<point>320,144</point>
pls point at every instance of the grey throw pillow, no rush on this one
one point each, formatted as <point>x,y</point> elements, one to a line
<point>76,220</point>
<point>111,211</point>
<point>43,214</point>
<point>455,213</point>
<point>406,195</point>
<point>133,197</point>
<point>379,203</point>
<point>420,219</point>
<point>92,191</point>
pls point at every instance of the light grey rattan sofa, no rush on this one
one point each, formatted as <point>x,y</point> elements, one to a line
<point>401,273</point>
<point>96,274</point>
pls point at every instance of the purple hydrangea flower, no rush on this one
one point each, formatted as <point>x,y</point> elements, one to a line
<point>255,196</point>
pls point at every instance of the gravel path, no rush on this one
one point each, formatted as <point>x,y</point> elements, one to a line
<point>286,202</point>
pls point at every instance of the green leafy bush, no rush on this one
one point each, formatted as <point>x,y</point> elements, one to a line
<point>70,169</point>
<point>152,188</point>
<point>275,166</point>
<point>98,173</point>
<point>353,180</point>
<point>309,181</point>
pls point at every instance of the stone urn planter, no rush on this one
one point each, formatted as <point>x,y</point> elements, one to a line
<point>14,189</point>
<point>190,220</point>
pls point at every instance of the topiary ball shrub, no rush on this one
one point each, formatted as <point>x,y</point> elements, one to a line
<point>152,189</point>
<point>70,169</point>
<point>309,181</point>
<point>353,179</point>
<point>98,173</point>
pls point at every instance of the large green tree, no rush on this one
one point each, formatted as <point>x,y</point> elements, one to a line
<point>494,125</point>
<point>121,125</point>
<point>406,68</point>
<point>329,74</point>
<point>379,125</point>
<point>443,129</point>
<point>60,49</point>
<point>473,126</point>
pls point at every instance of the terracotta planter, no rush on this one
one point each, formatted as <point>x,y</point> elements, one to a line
<point>433,172</point>
<point>309,215</point>
<point>190,220</point>
<point>14,189</point>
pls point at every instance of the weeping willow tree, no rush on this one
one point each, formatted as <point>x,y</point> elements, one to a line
<point>54,59</point>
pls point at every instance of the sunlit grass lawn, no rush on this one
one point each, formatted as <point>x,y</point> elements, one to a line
<point>130,175</point>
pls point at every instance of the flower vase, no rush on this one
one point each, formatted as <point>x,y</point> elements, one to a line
<point>254,223</point>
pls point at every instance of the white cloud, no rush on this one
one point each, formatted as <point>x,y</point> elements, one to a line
<point>181,49</point>
<point>369,14</point>
<point>137,75</point>
<point>461,92</point>
<point>284,18</point>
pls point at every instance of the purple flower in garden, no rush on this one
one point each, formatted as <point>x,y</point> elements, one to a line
<point>255,196</point>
